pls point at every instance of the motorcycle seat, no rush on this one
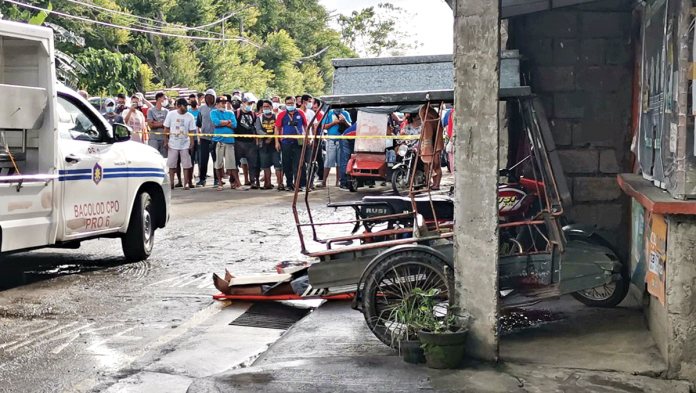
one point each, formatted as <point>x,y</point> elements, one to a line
<point>444,205</point>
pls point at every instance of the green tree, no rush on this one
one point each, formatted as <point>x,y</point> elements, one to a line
<point>290,51</point>
<point>374,32</point>
<point>281,54</point>
<point>230,67</point>
<point>108,72</point>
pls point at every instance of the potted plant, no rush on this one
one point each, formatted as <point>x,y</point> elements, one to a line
<point>442,331</point>
<point>407,316</point>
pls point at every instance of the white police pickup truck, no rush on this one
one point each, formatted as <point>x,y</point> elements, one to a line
<point>66,175</point>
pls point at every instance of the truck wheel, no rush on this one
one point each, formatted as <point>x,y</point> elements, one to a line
<point>140,237</point>
<point>392,282</point>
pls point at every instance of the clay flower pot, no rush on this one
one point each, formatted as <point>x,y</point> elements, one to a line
<point>411,351</point>
<point>443,350</point>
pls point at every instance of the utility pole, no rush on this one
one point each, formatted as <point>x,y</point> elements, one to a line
<point>476,58</point>
<point>241,28</point>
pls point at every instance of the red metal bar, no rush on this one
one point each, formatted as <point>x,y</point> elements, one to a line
<point>369,235</point>
<point>520,223</point>
<point>297,189</point>
<point>388,243</point>
<point>361,220</point>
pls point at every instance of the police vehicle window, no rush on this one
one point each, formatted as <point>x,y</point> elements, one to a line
<point>74,124</point>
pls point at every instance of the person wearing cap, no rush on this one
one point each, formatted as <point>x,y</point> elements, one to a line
<point>225,123</point>
<point>110,114</point>
<point>235,102</point>
<point>206,144</point>
<point>290,122</point>
<point>179,127</point>
<point>155,119</point>
<point>246,148</point>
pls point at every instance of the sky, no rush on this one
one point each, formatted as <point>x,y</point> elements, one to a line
<point>431,25</point>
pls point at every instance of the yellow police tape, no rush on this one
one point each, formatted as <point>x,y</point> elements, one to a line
<point>292,136</point>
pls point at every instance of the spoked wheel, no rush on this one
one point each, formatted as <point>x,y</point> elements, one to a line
<point>607,295</point>
<point>393,281</point>
<point>598,294</point>
<point>399,181</point>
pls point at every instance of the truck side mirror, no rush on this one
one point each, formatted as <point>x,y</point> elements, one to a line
<point>122,133</point>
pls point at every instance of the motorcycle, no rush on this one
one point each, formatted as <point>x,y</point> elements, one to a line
<point>407,162</point>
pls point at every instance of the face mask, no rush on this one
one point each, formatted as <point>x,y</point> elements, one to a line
<point>248,108</point>
<point>276,105</point>
<point>110,109</point>
<point>290,108</point>
<point>222,109</point>
<point>165,103</point>
<point>267,111</point>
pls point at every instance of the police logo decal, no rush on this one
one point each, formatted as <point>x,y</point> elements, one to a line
<point>97,173</point>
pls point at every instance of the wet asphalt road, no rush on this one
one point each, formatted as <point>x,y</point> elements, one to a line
<point>76,320</point>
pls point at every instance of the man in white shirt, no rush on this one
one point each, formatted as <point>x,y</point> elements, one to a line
<point>179,127</point>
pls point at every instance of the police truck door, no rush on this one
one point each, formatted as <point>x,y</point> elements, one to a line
<point>93,172</point>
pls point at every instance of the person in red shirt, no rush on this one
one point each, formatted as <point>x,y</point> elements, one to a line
<point>291,121</point>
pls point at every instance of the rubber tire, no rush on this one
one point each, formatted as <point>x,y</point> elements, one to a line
<point>133,243</point>
<point>352,183</point>
<point>393,261</point>
<point>622,285</point>
<point>395,174</point>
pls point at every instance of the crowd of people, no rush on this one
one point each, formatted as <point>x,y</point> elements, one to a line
<point>226,128</point>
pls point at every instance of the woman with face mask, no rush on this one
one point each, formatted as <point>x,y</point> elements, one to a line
<point>135,119</point>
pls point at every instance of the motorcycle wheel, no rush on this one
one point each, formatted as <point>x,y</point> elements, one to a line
<point>399,181</point>
<point>607,295</point>
<point>392,281</point>
<point>352,183</point>
<point>419,181</point>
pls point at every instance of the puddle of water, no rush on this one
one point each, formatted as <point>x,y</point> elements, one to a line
<point>28,268</point>
<point>515,319</point>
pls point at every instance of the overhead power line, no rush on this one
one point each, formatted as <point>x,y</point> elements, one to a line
<point>83,19</point>
<point>143,18</point>
<point>167,24</point>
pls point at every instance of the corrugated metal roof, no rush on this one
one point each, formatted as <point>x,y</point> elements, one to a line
<point>410,74</point>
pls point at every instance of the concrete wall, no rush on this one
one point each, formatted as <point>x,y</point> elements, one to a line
<point>579,60</point>
<point>677,321</point>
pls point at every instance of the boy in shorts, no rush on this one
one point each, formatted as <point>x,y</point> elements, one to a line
<point>269,155</point>
<point>225,122</point>
<point>178,125</point>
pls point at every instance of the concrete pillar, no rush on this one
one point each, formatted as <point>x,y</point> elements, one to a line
<point>476,52</point>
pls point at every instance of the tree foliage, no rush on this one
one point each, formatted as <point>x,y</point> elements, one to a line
<point>285,46</point>
<point>109,73</point>
<point>377,31</point>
